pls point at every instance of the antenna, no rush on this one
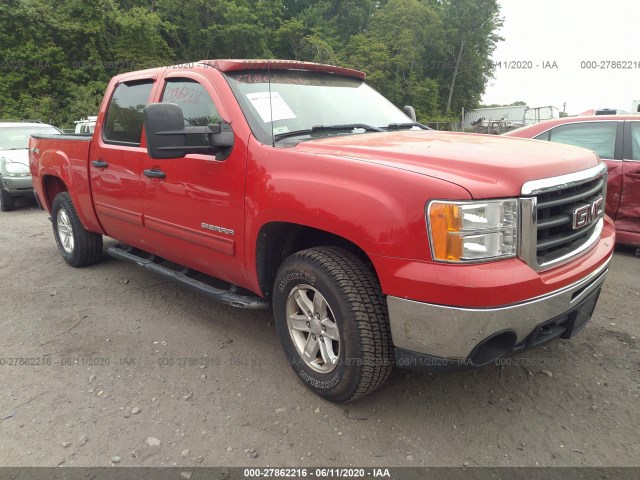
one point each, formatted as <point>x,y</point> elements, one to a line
<point>273,138</point>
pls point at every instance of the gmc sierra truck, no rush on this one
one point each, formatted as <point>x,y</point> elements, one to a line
<point>297,187</point>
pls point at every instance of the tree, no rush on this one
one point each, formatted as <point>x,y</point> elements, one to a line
<point>432,54</point>
<point>85,33</point>
<point>519,103</point>
<point>401,35</point>
<point>84,100</point>
<point>138,40</point>
<point>470,32</point>
<point>32,74</point>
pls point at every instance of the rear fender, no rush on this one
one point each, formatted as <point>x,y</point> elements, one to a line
<point>62,165</point>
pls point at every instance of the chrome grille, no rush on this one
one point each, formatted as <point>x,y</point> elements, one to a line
<point>556,236</point>
<point>558,218</point>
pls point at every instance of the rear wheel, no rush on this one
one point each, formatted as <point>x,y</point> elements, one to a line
<point>333,323</point>
<point>78,246</point>
<point>7,202</point>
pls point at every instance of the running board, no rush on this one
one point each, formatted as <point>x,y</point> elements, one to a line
<point>233,296</point>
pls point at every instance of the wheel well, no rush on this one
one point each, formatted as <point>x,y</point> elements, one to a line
<point>279,240</point>
<point>52,186</point>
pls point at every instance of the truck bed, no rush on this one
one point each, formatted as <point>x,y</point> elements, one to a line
<point>66,136</point>
<point>68,157</point>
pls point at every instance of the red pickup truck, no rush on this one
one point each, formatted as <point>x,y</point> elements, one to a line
<point>376,241</point>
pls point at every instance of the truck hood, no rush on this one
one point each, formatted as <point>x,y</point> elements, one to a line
<point>485,165</point>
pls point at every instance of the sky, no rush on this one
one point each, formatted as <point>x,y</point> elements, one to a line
<point>567,32</point>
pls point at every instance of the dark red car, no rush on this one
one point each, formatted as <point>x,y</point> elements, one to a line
<point>616,139</point>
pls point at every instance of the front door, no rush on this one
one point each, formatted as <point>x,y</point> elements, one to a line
<point>116,164</point>
<point>194,213</point>
<point>628,218</point>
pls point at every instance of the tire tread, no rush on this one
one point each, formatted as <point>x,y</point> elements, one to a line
<point>364,294</point>
<point>88,244</point>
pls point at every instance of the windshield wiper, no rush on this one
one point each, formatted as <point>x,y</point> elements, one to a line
<point>327,128</point>
<point>402,126</point>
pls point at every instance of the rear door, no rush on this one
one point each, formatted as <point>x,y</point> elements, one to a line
<point>603,137</point>
<point>194,213</point>
<point>628,218</point>
<point>116,161</point>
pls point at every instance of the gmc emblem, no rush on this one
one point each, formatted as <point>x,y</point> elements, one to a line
<point>587,213</point>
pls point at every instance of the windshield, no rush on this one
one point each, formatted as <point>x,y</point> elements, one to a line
<point>17,138</point>
<point>303,100</point>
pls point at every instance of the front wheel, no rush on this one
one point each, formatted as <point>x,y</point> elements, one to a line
<point>332,321</point>
<point>78,246</point>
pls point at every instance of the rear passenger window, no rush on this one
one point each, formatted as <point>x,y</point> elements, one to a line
<point>597,136</point>
<point>125,114</point>
<point>635,141</point>
<point>197,107</point>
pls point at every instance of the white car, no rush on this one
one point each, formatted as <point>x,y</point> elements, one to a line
<point>15,177</point>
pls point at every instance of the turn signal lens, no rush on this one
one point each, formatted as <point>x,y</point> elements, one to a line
<point>445,218</point>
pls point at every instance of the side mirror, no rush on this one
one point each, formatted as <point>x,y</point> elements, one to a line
<point>220,138</point>
<point>410,112</point>
<point>163,125</point>
<point>167,136</point>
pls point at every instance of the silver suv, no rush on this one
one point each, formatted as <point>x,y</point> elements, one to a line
<point>15,177</point>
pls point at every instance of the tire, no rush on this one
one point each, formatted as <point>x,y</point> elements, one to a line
<point>7,202</point>
<point>78,246</point>
<point>345,327</point>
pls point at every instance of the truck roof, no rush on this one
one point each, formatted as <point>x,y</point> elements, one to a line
<point>234,65</point>
<point>263,64</point>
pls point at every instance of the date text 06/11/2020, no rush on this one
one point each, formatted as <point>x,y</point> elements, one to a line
<point>255,473</point>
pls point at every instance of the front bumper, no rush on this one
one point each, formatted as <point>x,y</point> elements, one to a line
<point>17,185</point>
<point>428,335</point>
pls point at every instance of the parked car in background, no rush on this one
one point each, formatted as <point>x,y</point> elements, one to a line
<point>15,177</point>
<point>616,139</point>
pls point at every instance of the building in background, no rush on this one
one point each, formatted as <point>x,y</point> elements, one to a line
<point>502,119</point>
<point>481,117</point>
<point>540,114</point>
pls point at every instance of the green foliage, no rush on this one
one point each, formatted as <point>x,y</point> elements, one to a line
<point>84,100</point>
<point>394,53</point>
<point>138,40</point>
<point>432,54</point>
<point>470,39</point>
<point>519,103</point>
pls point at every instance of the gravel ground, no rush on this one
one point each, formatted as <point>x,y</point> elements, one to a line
<point>105,381</point>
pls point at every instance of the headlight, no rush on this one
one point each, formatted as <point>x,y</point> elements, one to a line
<point>13,169</point>
<point>472,231</point>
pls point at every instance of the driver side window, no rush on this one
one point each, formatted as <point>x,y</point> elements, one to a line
<point>197,107</point>
<point>124,120</point>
